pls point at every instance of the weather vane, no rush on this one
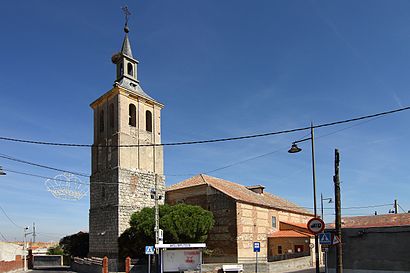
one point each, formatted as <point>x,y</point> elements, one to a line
<point>126,13</point>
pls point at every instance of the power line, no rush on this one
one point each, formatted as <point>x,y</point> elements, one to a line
<point>210,140</point>
<point>190,174</point>
<point>401,208</point>
<point>4,238</point>
<point>4,212</point>
<point>40,165</point>
<point>280,207</point>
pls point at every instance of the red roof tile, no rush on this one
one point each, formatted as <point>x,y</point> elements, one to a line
<point>240,193</point>
<point>289,233</point>
<point>301,225</point>
<point>386,220</point>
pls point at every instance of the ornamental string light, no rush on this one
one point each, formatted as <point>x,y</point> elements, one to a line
<point>66,186</point>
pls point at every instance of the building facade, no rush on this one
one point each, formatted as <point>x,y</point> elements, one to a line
<point>244,215</point>
<point>126,164</point>
<point>376,243</point>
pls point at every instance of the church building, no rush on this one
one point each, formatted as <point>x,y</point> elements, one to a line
<point>126,163</point>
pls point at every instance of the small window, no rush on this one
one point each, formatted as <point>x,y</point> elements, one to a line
<point>273,221</point>
<point>148,121</point>
<point>121,71</point>
<point>111,113</point>
<point>102,121</point>
<point>279,249</point>
<point>132,115</point>
<point>129,69</point>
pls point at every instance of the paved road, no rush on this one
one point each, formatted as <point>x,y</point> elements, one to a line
<point>311,270</point>
<point>67,270</point>
<point>50,270</point>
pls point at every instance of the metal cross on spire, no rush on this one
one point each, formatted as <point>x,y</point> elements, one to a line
<point>126,13</point>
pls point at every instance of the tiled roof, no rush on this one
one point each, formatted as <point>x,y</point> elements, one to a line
<point>385,220</point>
<point>300,225</point>
<point>240,193</point>
<point>289,233</point>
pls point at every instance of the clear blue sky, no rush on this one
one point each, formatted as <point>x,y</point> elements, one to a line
<point>222,69</point>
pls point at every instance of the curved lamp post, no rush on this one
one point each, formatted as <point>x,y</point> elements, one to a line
<point>296,149</point>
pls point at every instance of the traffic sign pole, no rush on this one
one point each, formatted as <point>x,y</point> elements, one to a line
<point>149,263</point>
<point>256,265</point>
<point>256,249</point>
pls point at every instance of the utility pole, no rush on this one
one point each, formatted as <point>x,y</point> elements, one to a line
<point>336,180</point>
<point>396,206</point>
<point>158,232</point>
<point>34,232</point>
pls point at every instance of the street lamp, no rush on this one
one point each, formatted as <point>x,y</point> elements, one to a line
<point>321,202</point>
<point>2,172</point>
<point>296,149</point>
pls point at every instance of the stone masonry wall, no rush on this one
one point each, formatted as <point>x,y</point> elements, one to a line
<point>135,194</point>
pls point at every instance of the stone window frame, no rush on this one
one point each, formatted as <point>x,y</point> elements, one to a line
<point>274,222</point>
<point>132,112</point>
<point>148,121</point>
<point>130,69</point>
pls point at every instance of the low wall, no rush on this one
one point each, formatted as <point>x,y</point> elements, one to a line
<point>47,261</point>
<point>7,266</point>
<point>374,249</point>
<point>87,265</point>
<point>291,264</point>
<point>266,267</point>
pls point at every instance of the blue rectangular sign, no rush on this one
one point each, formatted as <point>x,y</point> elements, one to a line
<point>256,247</point>
<point>325,238</point>
<point>149,250</point>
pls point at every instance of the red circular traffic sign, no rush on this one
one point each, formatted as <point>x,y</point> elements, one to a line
<point>316,225</point>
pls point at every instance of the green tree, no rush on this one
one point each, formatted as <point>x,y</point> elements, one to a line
<point>55,250</point>
<point>75,245</point>
<point>181,224</point>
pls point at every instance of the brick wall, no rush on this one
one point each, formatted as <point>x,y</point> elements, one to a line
<point>11,265</point>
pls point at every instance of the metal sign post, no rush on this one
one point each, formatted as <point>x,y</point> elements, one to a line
<point>256,249</point>
<point>149,250</point>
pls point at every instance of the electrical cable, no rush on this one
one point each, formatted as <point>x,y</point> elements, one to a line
<point>280,207</point>
<point>4,238</point>
<point>210,140</point>
<point>14,223</point>
<point>401,208</point>
<point>40,165</point>
<point>176,175</point>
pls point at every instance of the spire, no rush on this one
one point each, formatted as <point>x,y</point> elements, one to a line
<point>126,46</point>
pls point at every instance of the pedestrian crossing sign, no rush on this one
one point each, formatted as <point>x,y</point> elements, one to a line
<point>149,250</point>
<point>325,238</point>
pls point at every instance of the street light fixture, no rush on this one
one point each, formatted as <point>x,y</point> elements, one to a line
<point>321,202</point>
<point>2,172</point>
<point>296,149</point>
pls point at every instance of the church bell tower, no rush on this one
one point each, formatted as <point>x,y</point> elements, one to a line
<point>126,163</point>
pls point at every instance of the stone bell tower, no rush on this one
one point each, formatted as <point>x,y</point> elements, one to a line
<point>125,163</point>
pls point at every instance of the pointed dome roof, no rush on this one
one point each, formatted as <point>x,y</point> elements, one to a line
<point>126,47</point>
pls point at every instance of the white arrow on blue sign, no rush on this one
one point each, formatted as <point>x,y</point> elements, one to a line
<point>325,238</point>
<point>149,250</point>
<point>256,247</point>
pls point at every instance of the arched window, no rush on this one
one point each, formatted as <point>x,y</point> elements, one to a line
<point>111,114</point>
<point>132,115</point>
<point>129,69</point>
<point>102,121</point>
<point>121,69</point>
<point>148,121</point>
